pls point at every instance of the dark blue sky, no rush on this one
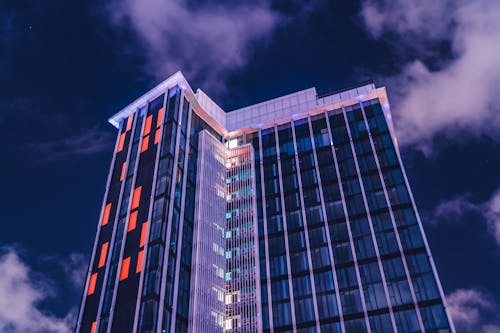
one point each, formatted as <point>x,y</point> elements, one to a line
<point>66,66</point>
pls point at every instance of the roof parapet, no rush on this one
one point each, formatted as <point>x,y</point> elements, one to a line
<point>290,106</point>
<point>173,80</point>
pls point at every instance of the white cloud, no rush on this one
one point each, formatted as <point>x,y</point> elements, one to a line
<point>407,17</point>
<point>468,309</point>
<point>453,210</point>
<point>76,269</point>
<point>205,40</point>
<point>20,296</point>
<point>85,142</point>
<point>461,95</point>
<point>491,211</point>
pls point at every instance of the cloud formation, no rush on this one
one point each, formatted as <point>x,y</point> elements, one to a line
<point>492,214</point>
<point>441,92</point>
<point>468,309</point>
<point>76,269</point>
<point>206,40</point>
<point>452,211</point>
<point>20,296</point>
<point>85,142</point>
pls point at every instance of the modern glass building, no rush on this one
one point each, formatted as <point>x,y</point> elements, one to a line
<point>291,215</point>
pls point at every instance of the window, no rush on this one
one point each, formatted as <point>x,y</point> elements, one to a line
<point>140,256</point>
<point>424,283</point>
<point>304,310</point>
<point>129,122</point>
<point>124,168</point>
<point>355,325</point>
<point>302,135</point>
<point>147,125</point>
<point>349,292</point>
<point>406,321</point>
<point>157,136</point>
<point>132,221</point>
<point>397,284</point>
<point>125,268</point>
<point>144,230</point>
<point>301,286</point>
<point>327,306</point>
<point>279,290</point>
<point>434,318</point>
<point>121,142</point>
<point>105,215</point>
<point>104,252</point>
<point>160,117</point>
<point>324,282</point>
<point>381,323</point>
<point>372,286</point>
<point>136,197</point>
<point>92,282</point>
<point>282,314</point>
<point>144,144</point>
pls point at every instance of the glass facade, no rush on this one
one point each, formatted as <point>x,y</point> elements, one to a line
<point>305,223</point>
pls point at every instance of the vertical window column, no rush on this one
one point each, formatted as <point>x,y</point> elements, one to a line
<point>265,259</point>
<point>327,298</point>
<point>351,295</point>
<point>312,216</point>
<point>111,266</point>
<point>370,189</point>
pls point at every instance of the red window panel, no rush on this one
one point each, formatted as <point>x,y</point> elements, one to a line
<point>92,282</point>
<point>144,230</point>
<point>136,197</point>
<point>132,221</point>
<point>157,136</point>
<point>121,142</point>
<point>92,329</point>
<point>144,144</point>
<point>140,256</point>
<point>125,268</point>
<point>104,253</point>
<point>147,125</point>
<point>105,215</point>
<point>124,169</point>
<point>160,117</point>
<point>129,122</point>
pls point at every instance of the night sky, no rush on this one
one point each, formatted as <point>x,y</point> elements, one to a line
<point>67,66</point>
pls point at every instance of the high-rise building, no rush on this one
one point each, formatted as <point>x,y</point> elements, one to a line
<point>294,214</point>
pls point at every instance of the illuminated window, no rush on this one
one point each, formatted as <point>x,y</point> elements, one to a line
<point>233,143</point>
<point>93,280</point>
<point>124,168</point>
<point>229,324</point>
<point>105,215</point>
<point>132,221</point>
<point>129,122</point>
<point>136,198</point>
<point>104,252</point>
<point>125,268</point>
<point>144,230</point>
<point>147,125</point>
<point>157,136</point>
<point>160,117</point>
<point>144,144</point>
<point>92,329</point>
<point>138,268</point>
<point>121,142</point>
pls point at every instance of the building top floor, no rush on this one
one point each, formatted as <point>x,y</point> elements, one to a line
<point>261,115</point>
